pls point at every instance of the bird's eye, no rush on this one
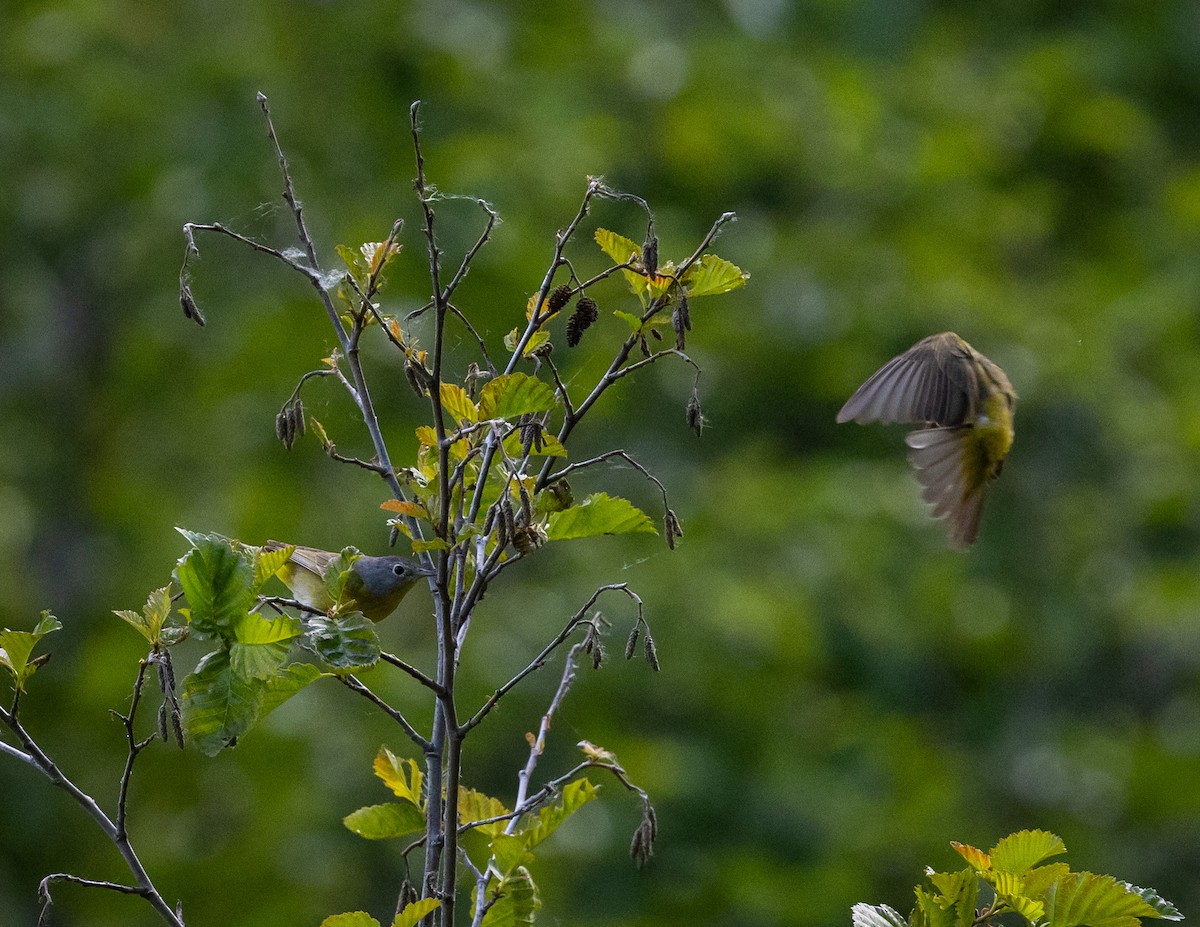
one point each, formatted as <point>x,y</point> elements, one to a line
<point>398,569</point>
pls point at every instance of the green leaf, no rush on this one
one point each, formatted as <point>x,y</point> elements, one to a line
<point>960,891</point>
<point>711,276</point>
<point>286,683</point>
<point>345,643</point>
<point>514,394</point>
<point>509,851</point>
<point>351,918</point>
<point>1024,850</point>
<point>456,401</point>
<point>931,910</point>
<point>17,646</point>
<point>875,915</point>
<point>633,321</point>
<point>420,547</point>
<point>617,247</point>
<point>1095,900</point>
<point>574,796</point>
<point>261,645</point>
<point>518,902</point>
<point>218,582</point>
<point>219,705</point>
<point>403,777</point>
<point>153,616</point>
<point>536,340</point>
<point>412,914</point>
<point>382,822</point>
<point>598,514</point>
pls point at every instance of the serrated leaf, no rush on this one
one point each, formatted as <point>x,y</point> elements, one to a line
<point>415,912</point>
<point>977,859</point>
<point>427,436</point>
<point>219,705</point>
<point>1024,850</point>
<point>711,276</point>
<point>377,254</point>
<point>574,796</point>
<point>1164,908</point>
<point>875,915</point>
<point>218,582</point>
<point>536,340</point>
<point>403,777</point>
<point>421,547</point>
<point>475,806</point>
<point>959,891</point>
<point>350,919</point>
<point>286,683</point>
<point>456,401</point>
<point>383,822</point>
<point>617,247</point>
<point>518,901</point>
<point>1095,900</point>
<point>268,562</point>
<point>515,394</point>
<point>17,646</point>
<point>153,615</point>
<point>345,643</point>
<point>598,514</point>
<point>933,911</point>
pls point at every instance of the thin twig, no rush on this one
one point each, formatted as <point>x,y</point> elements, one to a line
<point>411,670</point>
<point>42,762</point>
<point>578,619</point>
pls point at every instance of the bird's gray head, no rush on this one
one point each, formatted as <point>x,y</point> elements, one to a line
<point>383,576</point>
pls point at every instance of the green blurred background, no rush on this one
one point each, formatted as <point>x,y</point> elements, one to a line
<point>840,695</point>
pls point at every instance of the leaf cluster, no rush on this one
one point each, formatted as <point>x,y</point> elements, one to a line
<point>1018,881</point>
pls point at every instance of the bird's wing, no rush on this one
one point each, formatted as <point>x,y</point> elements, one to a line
<point>933,382</point>
<point>310,558</point>
<point>938,455</point>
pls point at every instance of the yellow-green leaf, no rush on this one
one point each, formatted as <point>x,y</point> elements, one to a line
<point>456,401</point>
<point>403,777</point>
<point>415,912</point>
<point>381,822</point>
<point>711,276</point>
<point>427,436</point>
<point>268,562</point>
<point>350,919</point>
<point>421,547</point>
<point>1024,850</point>
<point>598,514</point>
<point>515,394</point>
<point>475,806</point>
<point>617,247</point>
<point>518,901</point>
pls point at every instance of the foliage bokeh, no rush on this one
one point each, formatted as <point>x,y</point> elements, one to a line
<point>840,695</point>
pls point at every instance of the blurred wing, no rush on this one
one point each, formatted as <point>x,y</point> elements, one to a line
<point>937,456</point>
<point>932,382</point>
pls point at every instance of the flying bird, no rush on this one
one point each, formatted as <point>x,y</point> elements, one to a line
<point>965,403</point>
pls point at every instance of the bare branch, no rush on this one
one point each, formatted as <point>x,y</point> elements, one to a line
<point>578,619</point>
<point>412,671</point>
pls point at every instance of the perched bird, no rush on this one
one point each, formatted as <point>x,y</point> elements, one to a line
<point>374,587</point>
<point>966,403</point>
